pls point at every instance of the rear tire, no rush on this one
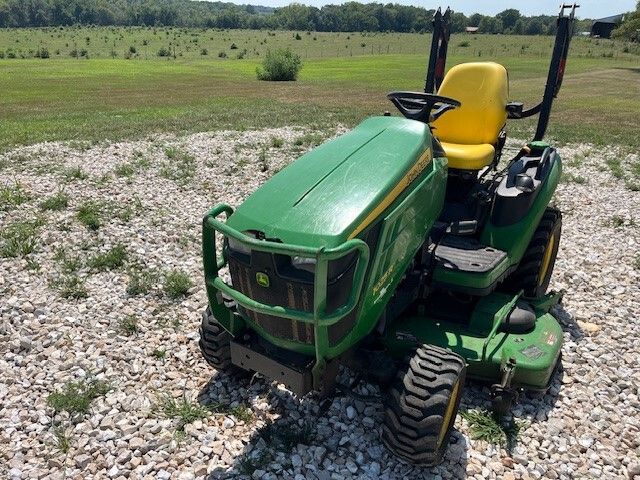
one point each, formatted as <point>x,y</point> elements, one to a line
<point>215,343</point>
<point>534,271</point>
<point>422,405</point>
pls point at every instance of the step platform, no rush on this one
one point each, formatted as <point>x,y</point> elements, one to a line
<point>466,254</point>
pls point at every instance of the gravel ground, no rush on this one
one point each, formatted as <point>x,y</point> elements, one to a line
<point>143,343</point>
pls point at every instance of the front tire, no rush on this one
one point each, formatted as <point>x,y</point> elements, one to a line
<point>422,405</point>
<point>215,343</point>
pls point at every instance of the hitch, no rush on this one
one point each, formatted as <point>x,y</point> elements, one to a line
<point>503,394</point>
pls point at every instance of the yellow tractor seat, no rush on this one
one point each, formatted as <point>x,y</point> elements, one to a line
<point>469,133</point>
<point>469,157</point>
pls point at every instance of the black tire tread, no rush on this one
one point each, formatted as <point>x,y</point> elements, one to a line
<point>215,342</point>
<point>417,401</point>
<point>525,277</point>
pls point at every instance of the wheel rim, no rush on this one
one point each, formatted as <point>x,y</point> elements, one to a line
<point>546,259</point>
<point>448,418</point>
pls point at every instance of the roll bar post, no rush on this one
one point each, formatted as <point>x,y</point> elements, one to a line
<point>438,52</point>
<point>556,69</point>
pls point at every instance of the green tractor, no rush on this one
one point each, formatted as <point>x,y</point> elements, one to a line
<point>403,251</point>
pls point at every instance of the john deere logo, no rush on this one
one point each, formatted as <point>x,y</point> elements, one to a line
<point>262,279</point>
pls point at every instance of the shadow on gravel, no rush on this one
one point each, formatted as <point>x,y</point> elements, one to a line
<point>312,433</point>
<point>304,433</point>
<point>568,323</point>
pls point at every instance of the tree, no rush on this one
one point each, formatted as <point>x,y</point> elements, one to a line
<point>533,27</point>
<point>630,26</point>
<point>296,16</point>
<point>518,28</point>
<point>458,22</point>
<point>509,18</point>
<point>490,25</point>
<point>475,19</point>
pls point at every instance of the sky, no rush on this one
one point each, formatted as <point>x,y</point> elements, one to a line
<point>588,8</point>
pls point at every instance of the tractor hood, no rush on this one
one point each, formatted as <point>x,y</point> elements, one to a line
<point>335,191</point>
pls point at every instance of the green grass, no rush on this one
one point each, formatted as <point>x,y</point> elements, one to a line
<point>128,325</point>
<point>56,202</point>
<point>130,168</point>
<point>62,439</point>
<point>484,426</point>
<point>309,139</point>
<point>571,178</point>
<point>70,286</point>
<point>183,411</point>
<point>109,260</point>
<point>241,412</point>
<point>180,166</point>
<point>76,397</point>
<point>636,262</point>
<point>125,170</point>
<point>69,264</point>
<point>19,239</point>
<point>33,264</point>
<point>177,283</point>
<point>628,172</point>
<point>89,214</point>
<point>618,221</point>
<point>116,42</point>
<point>285,436</point>
<point>75,173</point>
<point>615,166</point>
<point>140,281</point>
<point>12,196</point>
<point>104,98</point>
<point>159,353</point>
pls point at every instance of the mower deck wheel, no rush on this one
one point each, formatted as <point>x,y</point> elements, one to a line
<point>422,405</point>
<point>215,344</point>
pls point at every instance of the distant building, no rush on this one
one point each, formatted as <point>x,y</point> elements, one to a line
<point>471,29</point>
<point>602,28</point>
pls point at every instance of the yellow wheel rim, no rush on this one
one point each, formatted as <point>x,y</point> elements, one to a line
<point>448,414</point>
<point>546,259</point>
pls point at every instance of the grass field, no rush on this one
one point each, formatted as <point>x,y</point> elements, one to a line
<point>107,96</point>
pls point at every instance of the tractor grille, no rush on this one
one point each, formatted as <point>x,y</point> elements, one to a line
<point>290,289</point>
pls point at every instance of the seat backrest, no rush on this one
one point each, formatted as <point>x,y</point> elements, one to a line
<point>483,89</point>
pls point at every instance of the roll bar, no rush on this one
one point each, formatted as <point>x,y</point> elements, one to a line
<point>438,53</point>
<point>556,68</point>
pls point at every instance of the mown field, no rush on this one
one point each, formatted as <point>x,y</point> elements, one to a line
<point>110,83</point>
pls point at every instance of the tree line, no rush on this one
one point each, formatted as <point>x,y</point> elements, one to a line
<point>348,17</point>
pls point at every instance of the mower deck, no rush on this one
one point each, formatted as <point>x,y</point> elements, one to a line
<point>483,340</point>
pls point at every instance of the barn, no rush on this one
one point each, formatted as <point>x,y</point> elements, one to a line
<point>603,27</point>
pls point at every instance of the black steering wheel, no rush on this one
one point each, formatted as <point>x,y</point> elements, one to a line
<point>420,106</point>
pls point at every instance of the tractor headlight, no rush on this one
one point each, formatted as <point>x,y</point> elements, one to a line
<point>240,247</point>
<point>304,263</point>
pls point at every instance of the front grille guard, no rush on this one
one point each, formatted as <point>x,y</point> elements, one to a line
<point>318,316</point>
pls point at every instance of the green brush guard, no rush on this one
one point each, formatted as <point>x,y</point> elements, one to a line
<point>320,320</point>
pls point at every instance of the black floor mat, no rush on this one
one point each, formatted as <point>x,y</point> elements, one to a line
<point>466,254</point>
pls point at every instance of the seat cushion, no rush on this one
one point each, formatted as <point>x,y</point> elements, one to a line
<point>468,157</point>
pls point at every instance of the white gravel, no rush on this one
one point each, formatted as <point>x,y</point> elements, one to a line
<point>586,426</point>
